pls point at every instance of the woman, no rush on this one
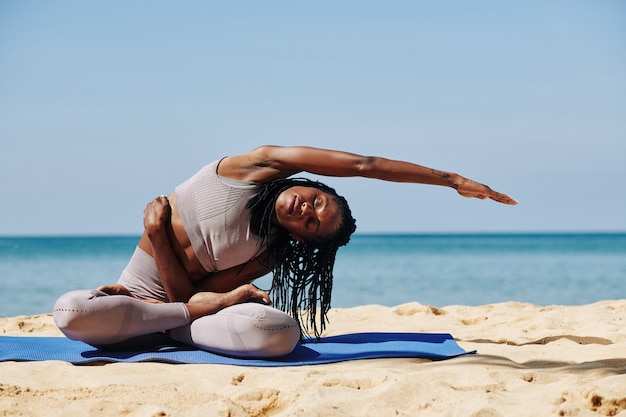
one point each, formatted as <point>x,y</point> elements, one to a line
<point>236,220</point>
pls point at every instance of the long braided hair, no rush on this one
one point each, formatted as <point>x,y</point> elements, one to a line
<point>302,270</point>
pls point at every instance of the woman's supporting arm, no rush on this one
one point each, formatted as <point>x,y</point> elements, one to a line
<point>175,279</point>
<point>229,279</point>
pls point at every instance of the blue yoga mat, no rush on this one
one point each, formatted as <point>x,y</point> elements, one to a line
<point>328,350</point>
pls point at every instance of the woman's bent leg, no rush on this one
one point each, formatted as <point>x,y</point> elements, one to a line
<point>243,330</point>
<point>97,318</point>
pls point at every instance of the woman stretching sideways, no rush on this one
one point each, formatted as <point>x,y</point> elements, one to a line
<point>235,220</point>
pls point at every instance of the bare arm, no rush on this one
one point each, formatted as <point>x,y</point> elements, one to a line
<point>234,277</point>
<point>270,162</point>
<point>175,279</point>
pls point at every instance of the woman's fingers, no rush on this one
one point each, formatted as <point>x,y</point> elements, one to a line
<point>157,212</point>
<point>503,198</point>
<point>114,289</point>
<point>472,189</point>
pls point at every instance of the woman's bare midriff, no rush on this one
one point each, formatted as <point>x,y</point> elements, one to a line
<point>180,243</point>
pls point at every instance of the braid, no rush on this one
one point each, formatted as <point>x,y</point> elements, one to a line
<point>302,271</point>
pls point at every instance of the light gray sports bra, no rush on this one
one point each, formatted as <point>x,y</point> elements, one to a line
<point>213,211</point>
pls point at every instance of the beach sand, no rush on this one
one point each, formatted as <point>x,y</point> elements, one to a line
<point>531,361</point>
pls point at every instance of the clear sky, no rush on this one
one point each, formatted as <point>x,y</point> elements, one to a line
<point>105,105</point>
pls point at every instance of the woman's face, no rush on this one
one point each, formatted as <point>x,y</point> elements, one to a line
<point>307,213</point>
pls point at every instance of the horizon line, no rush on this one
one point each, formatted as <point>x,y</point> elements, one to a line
<point>389,233</point>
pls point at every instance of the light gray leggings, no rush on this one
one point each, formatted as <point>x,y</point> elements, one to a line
<point>243,330</point>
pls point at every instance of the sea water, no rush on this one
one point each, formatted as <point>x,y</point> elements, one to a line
<point>437,269</point>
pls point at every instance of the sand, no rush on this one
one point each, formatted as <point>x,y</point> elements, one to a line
<point>531,361</point>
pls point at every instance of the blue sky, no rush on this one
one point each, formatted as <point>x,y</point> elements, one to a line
<point>105,105</point>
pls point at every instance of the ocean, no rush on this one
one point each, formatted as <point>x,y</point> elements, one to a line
<point>389,270</point>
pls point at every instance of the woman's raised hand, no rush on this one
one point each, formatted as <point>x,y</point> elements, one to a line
<point>472,189</point>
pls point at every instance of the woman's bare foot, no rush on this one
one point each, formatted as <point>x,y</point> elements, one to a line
<point>205,303</point>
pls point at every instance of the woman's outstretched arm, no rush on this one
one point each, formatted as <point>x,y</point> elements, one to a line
<point>270,162</point>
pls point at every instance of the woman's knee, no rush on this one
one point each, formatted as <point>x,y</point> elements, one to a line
<point>76,315</point>
<point>244,330</point>
<point>97,318</point>
<point>275,333</point>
